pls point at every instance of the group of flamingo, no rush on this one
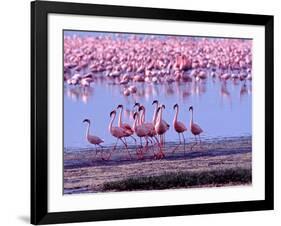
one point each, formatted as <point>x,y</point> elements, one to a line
<point>152,132</point>
<point>127,60</point>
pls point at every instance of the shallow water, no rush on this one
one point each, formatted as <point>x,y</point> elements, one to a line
<point>221,108</point>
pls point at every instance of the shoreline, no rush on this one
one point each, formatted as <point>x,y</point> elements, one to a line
<point>84,173</point>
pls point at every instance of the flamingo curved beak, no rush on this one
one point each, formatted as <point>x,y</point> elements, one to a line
<point>119,106</point>
<point>113,112</point>
<point>140,108</point>
<point>155,102</point>
<point>137,104</point>
<point>158,109</point>
<point>134,115</point>
<point>190,108</point>
<point>175,106</point>
<point>86,120</point>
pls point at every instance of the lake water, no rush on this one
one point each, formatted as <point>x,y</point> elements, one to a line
<point>221,108</point>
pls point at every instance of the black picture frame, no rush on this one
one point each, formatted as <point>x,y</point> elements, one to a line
<point>39,112</point>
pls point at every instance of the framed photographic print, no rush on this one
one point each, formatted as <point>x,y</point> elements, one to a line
<point>144,112</point>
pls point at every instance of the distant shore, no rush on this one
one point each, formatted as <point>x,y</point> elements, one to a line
<point>217,162</point>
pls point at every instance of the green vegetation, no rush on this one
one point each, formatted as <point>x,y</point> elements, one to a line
<point>182,180</point>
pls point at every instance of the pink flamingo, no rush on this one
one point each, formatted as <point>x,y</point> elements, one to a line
<point>161,128</point>
<point>194,128</point>
<point>128,129</point>
<point>117,132</point>
<point>140,130</point>
<point>155,115</point>
<point>91,138</point>
<point>149,125</point>
<point>179,127</point>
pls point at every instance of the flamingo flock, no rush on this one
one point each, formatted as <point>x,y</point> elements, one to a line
<point>127,60</point>
<point>138,64</point>
<point>152,133</point>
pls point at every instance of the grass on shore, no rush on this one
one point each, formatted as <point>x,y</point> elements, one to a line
<point>182,180</point>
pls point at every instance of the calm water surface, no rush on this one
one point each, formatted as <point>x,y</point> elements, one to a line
<point>221,108</point>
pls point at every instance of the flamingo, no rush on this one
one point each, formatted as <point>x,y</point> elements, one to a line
<point>128,129</point>
<point>140,130</point>
<point>141,109</point>
<point>149,125</point>
<point>194,128</point>
<point>91,138</point>
<point>179,127</point>
<point>117,132</point>
<point>155,114</point>
<point>161,128</point>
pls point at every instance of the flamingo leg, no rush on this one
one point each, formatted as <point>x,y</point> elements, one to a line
<point>160,154</point>
<point>178,144</point>
<point>96,151</point>
<point>157,142</point>
<point>179,137</point>
<point>110,153</point>
<point>101,151</point>
<point>151,141</point>
<point>194,143</point>
<point>145,148</point>
<point>139,151</point>
<point>183,143</point>
<point>115,144</point>
<point>199,138</point>
<point>134,139</point>
<point>124,142</point>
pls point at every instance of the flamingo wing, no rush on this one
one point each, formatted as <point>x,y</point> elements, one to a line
<point>118,132</point>
<point>149,126</point>
<point>141,131</point>
<point>196,129</point>
<point>180,127</point>
<point>127,127</point>
<point>95,140</point>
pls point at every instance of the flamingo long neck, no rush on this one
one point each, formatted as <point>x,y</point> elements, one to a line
<point>176,115</point>
<point>111,122</point>
<point>191,120</point>
<point>135,123</point>
<point>154,116</point>
<point>160,115</point>
<point>143,116</point>
<point>88,130</point>
<point>120,117</point>
<point>139,120</point>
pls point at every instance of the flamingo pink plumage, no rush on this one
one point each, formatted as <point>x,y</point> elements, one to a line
<point>95,140</point>
<point>117,132</point>
<point>155,115</point>
<point>149,125</point>
<point>140,130</point>
<point>161,128</point>
<point>179,127</point>
<point>194,128</point>
<point>128,129</point>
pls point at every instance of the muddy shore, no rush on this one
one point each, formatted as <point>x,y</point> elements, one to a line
<point>212,160</point>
